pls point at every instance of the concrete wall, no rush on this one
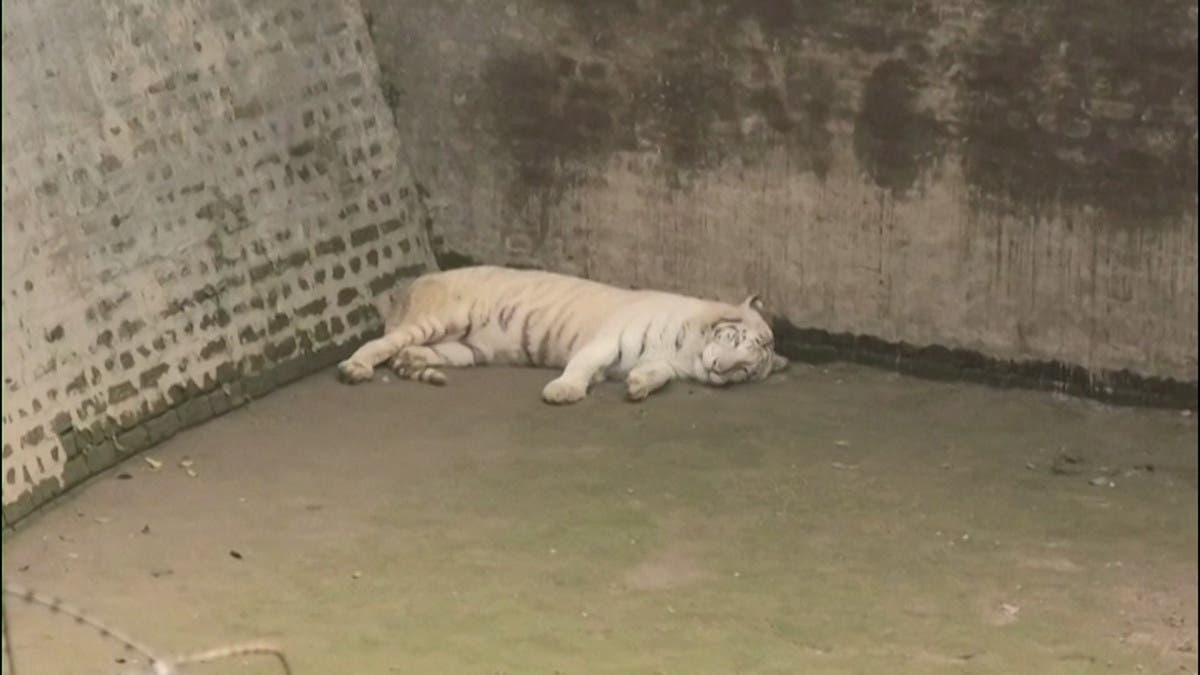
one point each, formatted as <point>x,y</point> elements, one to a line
<point>1012,178</point>
<point>200,199</point>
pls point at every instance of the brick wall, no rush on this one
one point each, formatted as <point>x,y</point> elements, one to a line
<point>1015,179</point>
<point>200,200</point>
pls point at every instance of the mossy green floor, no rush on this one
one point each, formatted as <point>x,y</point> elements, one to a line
<point>839,520</point>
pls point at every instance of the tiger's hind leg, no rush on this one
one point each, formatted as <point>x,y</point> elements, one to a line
<point>419,362</point>
<point>361,364</point>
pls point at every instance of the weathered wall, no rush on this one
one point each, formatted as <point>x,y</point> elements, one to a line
<point>1013,178</point>
<point>200,199</point>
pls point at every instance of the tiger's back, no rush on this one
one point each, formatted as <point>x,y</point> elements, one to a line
<point>517,317</point>
<point>529,317</point>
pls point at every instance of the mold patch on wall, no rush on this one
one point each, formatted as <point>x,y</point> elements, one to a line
<point>894,140</point>
<point>1084,104</point>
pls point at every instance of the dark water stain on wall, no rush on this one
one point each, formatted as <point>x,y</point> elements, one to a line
<point>1050,104</point>
<point>1084,102</point>
<point>693,95</point>
<point>893,139</point>
<point>680,110</point>
<point>549,118</point>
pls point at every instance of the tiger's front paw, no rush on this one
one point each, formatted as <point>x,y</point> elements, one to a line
<point>561,392</point>
<point>353,372</point>
<point>646,379</point>
<point>638,389</point>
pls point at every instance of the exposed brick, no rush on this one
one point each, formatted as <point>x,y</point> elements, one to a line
<point>134,440</point>
<point>163,426</point>
<point>212,348</point>
<point>194,411</point>
<point>121,392</point>
<point>150,376</point>
<point>363,235</point>
<point>278,351</point>
<point>346,296</point>
<point>280,321</point>
<point>330,246</point>
<point>75,471</point>
<point>314,308</point>
<point>101,456</point>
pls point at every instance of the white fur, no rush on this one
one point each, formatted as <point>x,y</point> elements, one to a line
<point>479,315</point>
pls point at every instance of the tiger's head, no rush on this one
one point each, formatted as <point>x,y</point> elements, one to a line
<point>740,347</point>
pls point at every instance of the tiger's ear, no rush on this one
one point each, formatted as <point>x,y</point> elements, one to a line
<point>778,363</point>
<point>755,303</point>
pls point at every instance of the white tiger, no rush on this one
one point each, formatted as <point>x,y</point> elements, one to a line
<point>478,315</point>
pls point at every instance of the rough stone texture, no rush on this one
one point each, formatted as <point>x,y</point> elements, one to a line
<point>1016,179</point>
<point>200,201</point>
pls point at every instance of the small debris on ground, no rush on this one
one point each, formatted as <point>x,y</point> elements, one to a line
<point>186,462</point>
<point>155,465</point>
<point>1138,468</point>
<point>190,473</point>
<point>158,574</point>
<point>124,475</point>
<point>235,555</point>
<point>146,529</point>
<point>102,520</point>
<point>845,467</point>
<point>356,575</point>
<point>842,444</point>
<point>1066,464</point>
<point>1101,481</point>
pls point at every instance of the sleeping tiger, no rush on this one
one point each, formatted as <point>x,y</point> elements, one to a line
<point>478,315</point>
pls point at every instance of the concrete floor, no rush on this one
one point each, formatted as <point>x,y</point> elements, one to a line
<point>838,520</point>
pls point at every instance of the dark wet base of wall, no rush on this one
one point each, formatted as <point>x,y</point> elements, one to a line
<point>941,363</point>
<point>88,456</point>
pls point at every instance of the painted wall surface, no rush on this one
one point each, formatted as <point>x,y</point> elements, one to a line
<point>200,198</point>
<point>1015,178</point>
